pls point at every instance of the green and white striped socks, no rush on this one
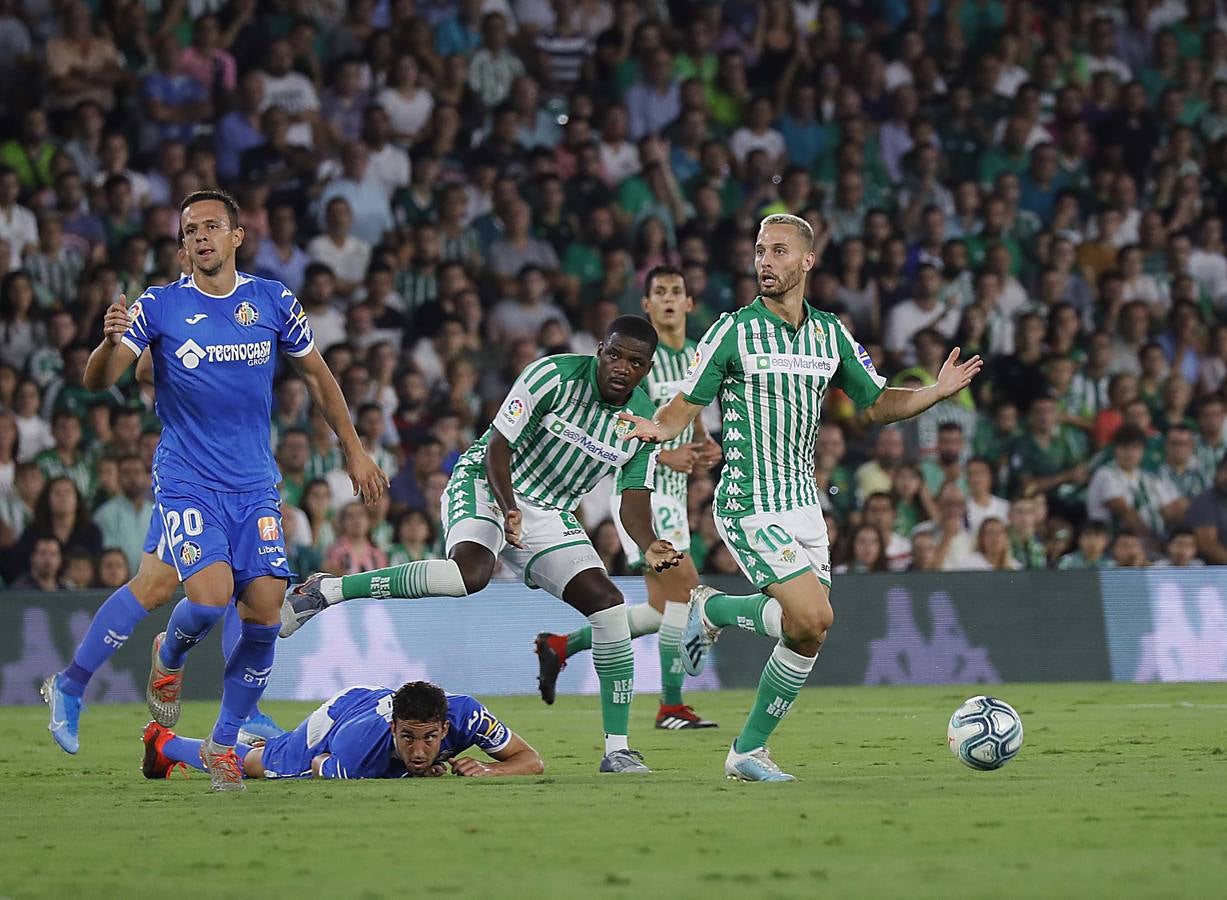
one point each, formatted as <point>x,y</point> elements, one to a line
<point>781,681</point>
<point>671,673</point>
<point>752,612</point>
<point>614,662</point>
<point>641,620</point>
<point>411,581</point>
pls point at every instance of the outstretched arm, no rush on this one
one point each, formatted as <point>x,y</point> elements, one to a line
<point>517,758</point>
<point>112,357</point>
<point>367,478</point>
<point>670,421</point>
<point>894,404</point>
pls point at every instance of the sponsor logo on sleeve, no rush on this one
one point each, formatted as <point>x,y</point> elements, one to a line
<point>862,356</point>
<point>513,410</point>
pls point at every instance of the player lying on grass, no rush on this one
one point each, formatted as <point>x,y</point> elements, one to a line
<point>772,363</point>
<point>368,732</point>
<point>512,495</point>
<point>666,301</point>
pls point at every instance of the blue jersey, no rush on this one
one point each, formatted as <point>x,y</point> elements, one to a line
<point>355,728</point>
<point>213,364</point>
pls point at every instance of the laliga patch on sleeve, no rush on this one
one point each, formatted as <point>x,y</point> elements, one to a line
<point>513,410</point>
<point>695,359</point>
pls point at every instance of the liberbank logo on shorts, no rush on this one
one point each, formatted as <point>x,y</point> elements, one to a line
<point>255,353</point>
<point>584,441</point>
<point>790,364</point>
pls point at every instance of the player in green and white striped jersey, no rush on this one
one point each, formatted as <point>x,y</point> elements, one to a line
<point>512,495</point>
<point>666,301</point>
<point>772,363</point>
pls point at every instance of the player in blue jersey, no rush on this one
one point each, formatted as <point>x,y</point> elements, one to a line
<point>214,336</point>
<point>369,732</point>
<point>153,586</point>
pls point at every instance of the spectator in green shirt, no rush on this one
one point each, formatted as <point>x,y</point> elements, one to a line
<point>1049,458</point>
<point>66,459</point>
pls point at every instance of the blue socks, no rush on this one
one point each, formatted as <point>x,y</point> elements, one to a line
<point>247,672</point>
<point>232,628</point>
<point>187,750</point>
<point>189,624</point>
<point>111,627</point>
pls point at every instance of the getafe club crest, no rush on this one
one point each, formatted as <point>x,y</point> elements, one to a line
<point>246,314</point>
<point>189,552</point>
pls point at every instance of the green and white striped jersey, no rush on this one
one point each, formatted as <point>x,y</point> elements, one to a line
<point>663,383</point>
<point>564,438</point>
<point>772,378</point>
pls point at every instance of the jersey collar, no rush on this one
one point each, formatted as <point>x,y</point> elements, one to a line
<point>239,280</point>
<point>762,310</point>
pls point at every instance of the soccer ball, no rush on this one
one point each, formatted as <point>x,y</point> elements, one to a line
<point>985,733</point>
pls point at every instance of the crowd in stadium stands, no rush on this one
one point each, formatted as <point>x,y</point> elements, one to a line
<point>455,187</point>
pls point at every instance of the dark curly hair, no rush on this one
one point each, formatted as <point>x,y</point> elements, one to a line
<point>419,701</point>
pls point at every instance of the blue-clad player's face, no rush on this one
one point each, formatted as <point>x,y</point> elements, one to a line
<point>418,743</point>
<point>208,238</point>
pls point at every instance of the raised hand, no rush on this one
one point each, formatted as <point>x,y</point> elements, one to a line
<point>116,321</point>
<point>955,376</point>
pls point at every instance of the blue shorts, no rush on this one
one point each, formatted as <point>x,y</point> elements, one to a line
<point>194,526</point>
<point>287,755</point>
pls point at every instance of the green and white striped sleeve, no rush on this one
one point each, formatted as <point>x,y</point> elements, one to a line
<point>856,374</point>
<point>527,401</point>
<point>639,474</point>
<point>710,362</point>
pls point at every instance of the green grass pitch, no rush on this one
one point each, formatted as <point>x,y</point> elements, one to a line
<point>1120,791</point>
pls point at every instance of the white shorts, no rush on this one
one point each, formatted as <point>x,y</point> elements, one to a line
<point>669,518</point>
<point>774,547</point>
<point>556,547</point>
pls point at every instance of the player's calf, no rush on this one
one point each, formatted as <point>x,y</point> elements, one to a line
<point>457,577</point>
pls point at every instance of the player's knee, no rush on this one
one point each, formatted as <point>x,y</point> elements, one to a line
<point>606,599</point>
<point>808,626</point>
<point>154,584</point>
<point>474,579</point>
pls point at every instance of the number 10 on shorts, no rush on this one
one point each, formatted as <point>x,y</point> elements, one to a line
<point>773,537</point>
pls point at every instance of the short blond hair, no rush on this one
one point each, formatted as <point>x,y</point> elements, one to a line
<point>802,226</point>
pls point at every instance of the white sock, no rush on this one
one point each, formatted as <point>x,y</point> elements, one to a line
<point>675,616</point>
<point>643,619</point>
<point>615,742</point>
<point>613,659</point>
<point>331,589</point>
<point>773,618</point>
